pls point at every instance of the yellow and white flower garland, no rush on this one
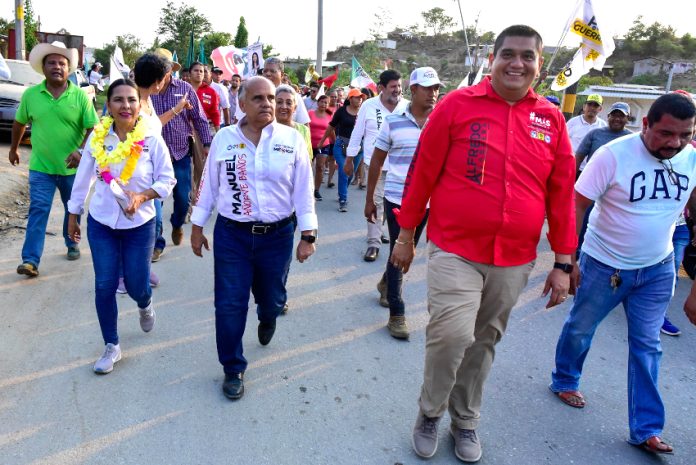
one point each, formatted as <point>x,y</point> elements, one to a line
<point>128,149</point>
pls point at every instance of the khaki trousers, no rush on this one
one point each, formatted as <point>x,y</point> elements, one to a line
<point>469,305</point>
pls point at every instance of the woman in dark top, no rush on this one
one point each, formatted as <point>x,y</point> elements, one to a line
<point>342,125</point>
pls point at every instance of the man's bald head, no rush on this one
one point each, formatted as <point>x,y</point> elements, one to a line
<point>257,100</point>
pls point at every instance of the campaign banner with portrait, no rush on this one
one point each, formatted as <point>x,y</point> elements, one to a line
<point>254,59</point>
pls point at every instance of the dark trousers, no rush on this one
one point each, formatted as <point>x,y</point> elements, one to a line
<point>244,263</point>
<point>393,275</point>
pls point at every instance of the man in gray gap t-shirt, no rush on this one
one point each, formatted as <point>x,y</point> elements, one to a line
<point>617,120</point>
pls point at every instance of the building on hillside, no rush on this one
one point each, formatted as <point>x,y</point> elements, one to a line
<point>638,97</point>
<point>655,66</point>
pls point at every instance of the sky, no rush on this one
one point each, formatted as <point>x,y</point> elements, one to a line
<point>291,27</point>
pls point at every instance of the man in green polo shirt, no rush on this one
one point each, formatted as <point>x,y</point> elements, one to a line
<point>61,118</point>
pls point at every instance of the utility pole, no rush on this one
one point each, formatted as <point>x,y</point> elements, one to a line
<point>320,36</point>
<point>20,52</point>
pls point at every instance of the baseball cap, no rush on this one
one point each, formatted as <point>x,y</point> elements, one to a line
<point>355,93</point>
<point>596,98</point>
<point>553,99</point>
<point>425,76</point>
<point>622,107</point>
<point>98,65</point>
<point>215,69</point>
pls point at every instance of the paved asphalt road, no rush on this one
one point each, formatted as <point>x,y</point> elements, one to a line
<point>332,387</point>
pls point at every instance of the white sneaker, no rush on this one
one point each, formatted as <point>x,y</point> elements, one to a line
<point>112,354</point>
<point>147,317</point>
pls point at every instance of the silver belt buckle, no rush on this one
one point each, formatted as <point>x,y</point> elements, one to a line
<point>259,229</point>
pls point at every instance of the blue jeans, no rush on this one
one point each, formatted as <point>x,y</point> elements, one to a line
<point>42,188</point>
<point>182,191</point>
<point>247,262</point>
<point>680,239</point>
<point>160,243</point>
<point>339,152</point>
<point>645,294</point>
<point>393,275</point>
<point>113,250</point>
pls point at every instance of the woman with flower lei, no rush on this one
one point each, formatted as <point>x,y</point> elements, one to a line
<point>131,167</point>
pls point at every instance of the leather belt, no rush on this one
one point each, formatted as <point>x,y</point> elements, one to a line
<point>261,228</point>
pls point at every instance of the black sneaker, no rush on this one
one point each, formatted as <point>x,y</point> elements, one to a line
<point>317,196</point>
<point>342,206</point>
<point>266,331</point>
<point>233,386</point>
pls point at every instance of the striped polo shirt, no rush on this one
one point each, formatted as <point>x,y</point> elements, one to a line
<point>398,137</point>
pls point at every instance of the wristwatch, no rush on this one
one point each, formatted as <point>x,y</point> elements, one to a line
<point>566,267</point>
<point>308,238</point>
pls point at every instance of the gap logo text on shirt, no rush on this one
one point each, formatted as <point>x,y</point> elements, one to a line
<point>659,187</point>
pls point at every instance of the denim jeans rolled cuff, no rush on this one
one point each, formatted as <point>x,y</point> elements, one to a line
<point>645,294</point>
<point>182,191</point>
<point>393,275</point>
<point>113,250</point>
<point>42,188</point>
<point>339,152</point>
<point>247,263</point>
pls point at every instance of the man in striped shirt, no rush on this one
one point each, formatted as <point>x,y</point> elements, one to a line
<point>397,140</point>
<point>178,134</point>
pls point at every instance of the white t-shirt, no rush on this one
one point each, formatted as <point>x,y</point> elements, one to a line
<point>367,126</point>
<point>578,129</point>
<point>637,203</point>
<point>223,94</point>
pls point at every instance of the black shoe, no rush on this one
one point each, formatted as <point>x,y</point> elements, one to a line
<point>384,239</point>
<point>233,386</point>
<point>266,331</point>
<point>317,196</point>
<point>371,254</point>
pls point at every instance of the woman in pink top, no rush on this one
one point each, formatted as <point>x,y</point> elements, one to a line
<point>318,122</point>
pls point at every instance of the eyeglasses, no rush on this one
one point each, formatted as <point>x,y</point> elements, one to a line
<point>673,175</point>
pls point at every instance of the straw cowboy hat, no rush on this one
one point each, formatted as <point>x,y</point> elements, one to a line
<point>38,53</point>
<point>167,55</point>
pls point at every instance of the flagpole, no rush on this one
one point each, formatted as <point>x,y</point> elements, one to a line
<point>466,39</point>
<point>564,34</point>
<point>320,37</point>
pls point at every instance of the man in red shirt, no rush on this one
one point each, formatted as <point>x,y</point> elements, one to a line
<point>491,173</point>
<point>206,95</point>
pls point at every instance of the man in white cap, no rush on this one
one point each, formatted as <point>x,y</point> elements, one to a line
<point>62,117</point>
<point>367,126</point>
<point>396,142</point>
<point>95,77</point>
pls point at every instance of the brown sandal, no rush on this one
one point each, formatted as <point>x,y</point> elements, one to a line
<point>657,446</point>
<point>572,398</point>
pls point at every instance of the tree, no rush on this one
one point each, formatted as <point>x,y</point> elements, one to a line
<point>381,23</point>
<point>129,44</point>
<point>176,24</point>
<point>214,40</point>
<point>436,19</point>
<point>30,26</point>
<point>268,51</point>
<point>241,39</point>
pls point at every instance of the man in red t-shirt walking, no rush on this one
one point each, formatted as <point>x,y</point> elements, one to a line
<point>206,95</point>
<point>491,174</point>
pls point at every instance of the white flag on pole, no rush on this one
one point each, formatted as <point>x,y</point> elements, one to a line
<point>595,47</point>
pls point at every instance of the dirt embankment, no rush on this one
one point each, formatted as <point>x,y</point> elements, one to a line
<point>14,191</point>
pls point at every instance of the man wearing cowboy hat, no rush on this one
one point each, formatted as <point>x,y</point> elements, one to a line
<point>62,117</point>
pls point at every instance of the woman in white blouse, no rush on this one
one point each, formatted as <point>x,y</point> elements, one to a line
<point>132,167</point>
